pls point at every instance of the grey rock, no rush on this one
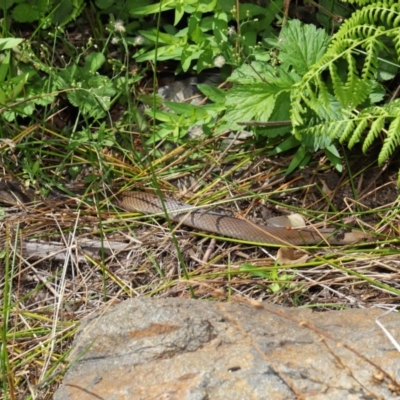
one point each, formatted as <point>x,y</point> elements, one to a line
<point>198,350</point>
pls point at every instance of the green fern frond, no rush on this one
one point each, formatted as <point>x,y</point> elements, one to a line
<point>347,130</point>
<point>312,99</point>
<point>374,131</point>
<point>360,38</point>
<point>340,107</point>
<point>296,109</point>
<point>338,129</point>
<point>362,124</point>
<point>352,84</point>
<point>391,142</point>
<point>359,2</point>
<point>338,87</point>
<point>396,40</point>
<point>372,48</point>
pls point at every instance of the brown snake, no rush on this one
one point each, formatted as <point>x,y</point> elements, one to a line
<point>233,227</point>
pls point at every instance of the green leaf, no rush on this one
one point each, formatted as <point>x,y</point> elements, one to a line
<point>386,70</point>
<point>94,61</point>
<point>25,12</point>
<point>300,159</point>
<point>205,60</point>
<point>4,66</point>
<point>247,11</point>
<point>215,94</point>
<point>40,87</point>
<point>161,37</point>
<point>194,29</point>
<point>290,143</point>
<point>103,4</point>
<point>260,71</point>
<point>164,116</point>
<point>251,102</point>
<point>179,11</point>
<point>334,157</point>
<point>2,97</point>
<point>189,53</point>
<point>7,4</point>
<point>301,45</point>
<point>139,9</point>
<point>20,81</point>
<point>96,100</point>
<point>150,99</point>
<point>206,6</point>
<point>188,110</point>
<point>9,43</point>
<point>164,53</point>
<point>62,12</point>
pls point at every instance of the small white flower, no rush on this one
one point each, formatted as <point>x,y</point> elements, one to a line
<point>219,61</point>
<point>138,41</point>
<point>119,26</point>
<point>114,40</point>
<point>231,31</point>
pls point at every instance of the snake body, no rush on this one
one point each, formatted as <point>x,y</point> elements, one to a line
<point>233,227</point>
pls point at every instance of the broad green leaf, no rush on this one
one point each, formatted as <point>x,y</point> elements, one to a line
<point>215,94</point>
<point>40,87</point>
<point>94,61</point>
<point>302,45</point>
<point>251,102</point>
<point>260,71</point>
<point>94,101</point>
<point>63,12</point>
<point>9,43</point>
<point>25,12</point>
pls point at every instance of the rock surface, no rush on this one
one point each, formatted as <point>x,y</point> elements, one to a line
<point>194,350</point>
